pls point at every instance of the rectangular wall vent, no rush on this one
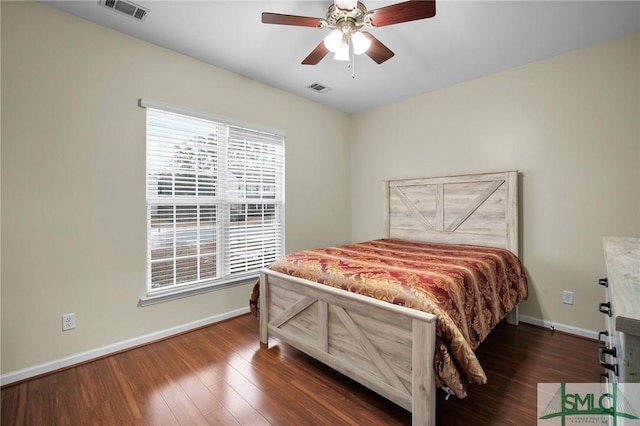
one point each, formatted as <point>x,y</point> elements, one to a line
<point>128,8</point>
<point>318,87</point>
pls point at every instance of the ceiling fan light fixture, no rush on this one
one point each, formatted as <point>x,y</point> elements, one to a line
<point>342,54</point>
<point>360,43</point>
<point>333,41</point>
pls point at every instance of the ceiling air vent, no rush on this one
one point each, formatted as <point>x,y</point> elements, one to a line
<point>126,7</point>
<point>318,87</point>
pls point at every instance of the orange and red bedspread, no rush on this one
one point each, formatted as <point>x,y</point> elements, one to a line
<point>469,288</point>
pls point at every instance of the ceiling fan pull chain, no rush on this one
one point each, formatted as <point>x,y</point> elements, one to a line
<point>352,59</point>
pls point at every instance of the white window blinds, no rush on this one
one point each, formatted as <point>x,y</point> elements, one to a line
<point>215,200</point>
<point>255,162</point>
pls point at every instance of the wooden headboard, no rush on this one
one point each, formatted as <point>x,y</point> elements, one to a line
<point>479,209</point>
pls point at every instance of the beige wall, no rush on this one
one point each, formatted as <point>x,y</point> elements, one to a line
<point>569,124</point>
<point>73,179</point>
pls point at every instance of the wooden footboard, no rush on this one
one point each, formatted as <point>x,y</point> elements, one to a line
<point>385,347</point>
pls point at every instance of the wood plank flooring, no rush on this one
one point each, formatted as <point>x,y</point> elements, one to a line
<point>220,375</point>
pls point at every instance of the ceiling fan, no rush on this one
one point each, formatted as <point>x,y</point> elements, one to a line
<point>346,19</point>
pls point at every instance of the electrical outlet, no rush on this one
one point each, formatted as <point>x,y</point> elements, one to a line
<point>68,322</point>
<point>567,297</point>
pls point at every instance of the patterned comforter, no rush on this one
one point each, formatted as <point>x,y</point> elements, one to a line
<point>469,288</point>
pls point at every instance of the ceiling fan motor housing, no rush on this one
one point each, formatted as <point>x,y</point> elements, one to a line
<point>336,17</point>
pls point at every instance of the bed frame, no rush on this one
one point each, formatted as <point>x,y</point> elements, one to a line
<point>385,347</point>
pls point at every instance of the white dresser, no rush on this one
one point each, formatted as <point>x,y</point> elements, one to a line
<point>620,342</point>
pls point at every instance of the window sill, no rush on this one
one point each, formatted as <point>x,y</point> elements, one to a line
<point>161,297</point>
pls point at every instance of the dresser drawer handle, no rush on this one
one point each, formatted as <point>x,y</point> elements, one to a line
<point>605,308</point>
<point>608,351</point>
<point>602,343</point>
<point>603,282</point>
<point>612,367</point>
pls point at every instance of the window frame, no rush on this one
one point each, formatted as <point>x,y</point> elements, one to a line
<point>224,201</point>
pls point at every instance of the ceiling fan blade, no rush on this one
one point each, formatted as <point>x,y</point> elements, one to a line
<point>377,51</point>
<point>316,54</point>
<point>299,21</point>
<point>403,12</point>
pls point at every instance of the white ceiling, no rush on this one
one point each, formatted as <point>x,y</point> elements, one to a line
<point>465,40</point>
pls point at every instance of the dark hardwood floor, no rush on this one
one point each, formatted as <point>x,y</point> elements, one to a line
<point>220,375</point>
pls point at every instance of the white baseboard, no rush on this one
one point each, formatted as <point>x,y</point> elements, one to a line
<point>560,327</point>
<point>69,361</point>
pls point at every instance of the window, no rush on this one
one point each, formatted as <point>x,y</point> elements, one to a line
<point>215,200</point>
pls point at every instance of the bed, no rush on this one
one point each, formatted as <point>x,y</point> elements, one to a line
<point>317,300</point>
